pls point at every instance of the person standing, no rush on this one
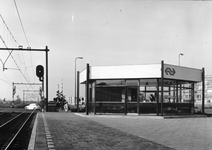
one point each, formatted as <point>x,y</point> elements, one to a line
<point>66,107</point>
<point>152,98</point>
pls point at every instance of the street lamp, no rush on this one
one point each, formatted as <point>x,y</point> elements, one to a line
<point>179,57</point>
<point>75,79</point>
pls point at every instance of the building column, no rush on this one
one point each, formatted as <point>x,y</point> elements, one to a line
<point>94,95</point>
<point>177,95</point>
<point>203,90</point>
<point>180,92</point>
<point>192,96</point>
<point>78,91</point>
<point>47,79</point>
<point>169,92</point>
<point>157,110</point>
<point>87,88</point>
<point>126,99</point>
<point>138,98</point>
<point>162,78</point>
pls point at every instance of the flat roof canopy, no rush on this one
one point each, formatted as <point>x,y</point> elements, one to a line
<point>182,73</point>
<point>142,71</point>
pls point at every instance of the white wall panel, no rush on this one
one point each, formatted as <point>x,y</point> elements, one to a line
<point>125,72</point>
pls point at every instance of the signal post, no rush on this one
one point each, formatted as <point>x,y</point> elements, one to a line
<point>38,50</point>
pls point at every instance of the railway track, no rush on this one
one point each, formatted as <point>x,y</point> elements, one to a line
<point>6,116</point>
<point>16,132</point>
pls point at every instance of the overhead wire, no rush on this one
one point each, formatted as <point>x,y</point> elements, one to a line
<point>21,22</point>
<point>18,44</point>
<point>24,34</point>
<point>3,41</point>
<point>9,84</point>
<point>6,76</point>
<point>33,71</point>
<point>5,81</point>
<point>23,62</point>
<point>16,63</point>
<point>9,30</point>
<point>2,62</point>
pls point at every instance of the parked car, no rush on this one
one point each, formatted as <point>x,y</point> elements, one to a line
<point>32,106</point>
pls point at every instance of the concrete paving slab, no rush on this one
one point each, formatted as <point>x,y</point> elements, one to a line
<point>99,132</point>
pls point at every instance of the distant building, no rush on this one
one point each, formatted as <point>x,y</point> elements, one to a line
<point>208,91</point>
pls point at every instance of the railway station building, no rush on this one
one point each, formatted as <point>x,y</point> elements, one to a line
<point>143,89</point>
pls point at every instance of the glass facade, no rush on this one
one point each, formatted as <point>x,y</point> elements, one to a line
<point>110,94</point>
<point>178,97</point>
<point>142,96</point>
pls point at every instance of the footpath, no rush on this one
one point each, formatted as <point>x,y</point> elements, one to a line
<point>70,131</point>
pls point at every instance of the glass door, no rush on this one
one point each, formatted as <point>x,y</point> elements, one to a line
<point>132,99</point>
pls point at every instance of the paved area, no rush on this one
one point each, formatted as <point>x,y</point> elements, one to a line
<point>180,133</point>
<point>106,132</point>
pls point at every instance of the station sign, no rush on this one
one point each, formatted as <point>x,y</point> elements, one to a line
<point>182,73</point>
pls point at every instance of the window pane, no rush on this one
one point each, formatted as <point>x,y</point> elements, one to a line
<point>110,94</point>
<point>110,82</point>
<point>132,83</point>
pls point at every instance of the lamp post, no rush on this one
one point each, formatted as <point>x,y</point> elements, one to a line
<point>179,57</point>
<point>75,79</point>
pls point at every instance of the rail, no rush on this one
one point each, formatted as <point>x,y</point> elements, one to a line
<point>14,128</point>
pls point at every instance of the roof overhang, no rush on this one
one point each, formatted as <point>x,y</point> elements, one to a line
<point>141,71</point>
<point>182,73</point>
<point>122,72</point>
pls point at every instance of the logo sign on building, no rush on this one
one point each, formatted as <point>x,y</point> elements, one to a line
<point>182,73</point>
<point>170,71</point>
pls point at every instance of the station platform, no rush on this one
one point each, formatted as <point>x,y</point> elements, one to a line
<point>77,131</point>
<point>64,131</point>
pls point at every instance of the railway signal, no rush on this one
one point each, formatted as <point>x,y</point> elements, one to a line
<point>40,72</point>
<point>14,90</point>
<point>40,91</point>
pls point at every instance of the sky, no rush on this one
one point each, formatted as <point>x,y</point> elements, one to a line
<point>103,32</point>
